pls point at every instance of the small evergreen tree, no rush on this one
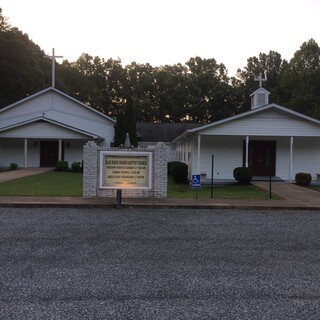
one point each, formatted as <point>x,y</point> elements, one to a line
<point>119,129</point>
<point>130,125</point>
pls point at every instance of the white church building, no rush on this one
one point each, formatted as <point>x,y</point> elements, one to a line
<point>49,126</point>
<point>270,139</point>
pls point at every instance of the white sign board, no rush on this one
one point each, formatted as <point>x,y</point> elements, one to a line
<point>125,170</point>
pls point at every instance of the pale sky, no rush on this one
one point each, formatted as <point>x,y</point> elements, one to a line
<point>167,31</point>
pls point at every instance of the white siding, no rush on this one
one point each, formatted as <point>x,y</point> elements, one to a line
<point>74,123</point>
<point>55,106</point>
<point>14,152</point>
<point>42,130</point>
<point>283,158</point>
<point>73,151</point>
<point>306,156</point>
<point>270,122</point>
<point>227,153</point>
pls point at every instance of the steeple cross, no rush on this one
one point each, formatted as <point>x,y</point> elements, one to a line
<point>260,79</point>
<point>53,58</point>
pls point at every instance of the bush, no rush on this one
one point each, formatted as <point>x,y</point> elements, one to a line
<point>62,165</point>
<point>243,175</point>
<point>172,165</point>
<point>303,178</point>
<point>180,173</point>
<point>13,166</point>
<point>76,166</point>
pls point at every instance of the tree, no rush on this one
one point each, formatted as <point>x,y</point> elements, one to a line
<point>130,123</point>
<point>4,24</point>
<point>209,90</point>
<point>300,82</point>
<point>141,81</point>
<point>271,65</point>
<point>119,130</point>
<point>126,123</point>
<point>22,65</point>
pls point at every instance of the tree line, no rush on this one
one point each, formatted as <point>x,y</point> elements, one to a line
<point>199,90</point>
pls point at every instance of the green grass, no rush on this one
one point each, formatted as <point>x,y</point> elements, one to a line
<point>69,184</point>
<point>52,183</point>
<point>235,191</point>
<point>315,188</point>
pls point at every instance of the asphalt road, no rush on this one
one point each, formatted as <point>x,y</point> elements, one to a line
<point>159,264</point>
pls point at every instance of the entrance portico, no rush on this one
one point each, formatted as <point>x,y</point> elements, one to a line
<point>50,126</point>
<point>275,135</point>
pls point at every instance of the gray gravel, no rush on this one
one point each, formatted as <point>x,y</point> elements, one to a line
<point>159,264</point>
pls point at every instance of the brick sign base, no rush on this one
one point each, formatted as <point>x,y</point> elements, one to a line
<point>91,173</point>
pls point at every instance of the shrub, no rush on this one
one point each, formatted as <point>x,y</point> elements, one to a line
<point>62,165</point>
<point>180,173</point>
<point>243,175</point>
<point>76,166</point>
<point>171,166</point>
<point>13,166</point>
<point>303,178</point>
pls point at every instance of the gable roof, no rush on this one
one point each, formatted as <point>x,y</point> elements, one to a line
<point>261,89</point>
<point>50,121</point>
<point>256,111</point>
<point>162,131</point>
<point>51,89</point>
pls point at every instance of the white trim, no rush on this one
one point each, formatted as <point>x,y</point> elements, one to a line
<point>126,154</point>
<point>247,152</point>
<point>57,123</point>
<point>60,93</point>
<point>246,114</point>
<point>26,153</point>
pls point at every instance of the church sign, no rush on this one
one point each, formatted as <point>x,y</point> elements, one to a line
<point>125,170</point>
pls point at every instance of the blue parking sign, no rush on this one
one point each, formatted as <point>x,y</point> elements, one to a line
<point>196,182</point>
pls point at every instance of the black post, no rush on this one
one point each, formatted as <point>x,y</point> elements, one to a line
<point>212,166</point>
<point>270,192</point>
<point>269,160</point>
<point>119,199</point>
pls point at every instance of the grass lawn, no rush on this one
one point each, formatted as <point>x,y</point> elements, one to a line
<point>52,183</point>
<point>69,184</point>
<point>315,188</point>
<point>235,191</point>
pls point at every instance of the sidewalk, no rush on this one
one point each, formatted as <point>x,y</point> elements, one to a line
<point>20,173</point>
<point>294,197</point>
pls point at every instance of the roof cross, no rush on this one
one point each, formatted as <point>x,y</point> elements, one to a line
<point>260,79</point>
<point>53,58</point>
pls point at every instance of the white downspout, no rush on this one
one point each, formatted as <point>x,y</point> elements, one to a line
<point>26,153</point>
<point>247,152</point>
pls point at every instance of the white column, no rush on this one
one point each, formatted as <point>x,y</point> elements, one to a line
<point>247,152</point>
<point>291,162</point>
<point>198,154</point>
<point>60,150</point>
<point>26,153</point>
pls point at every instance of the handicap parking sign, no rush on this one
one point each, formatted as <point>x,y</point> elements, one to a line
<point>196,183</point>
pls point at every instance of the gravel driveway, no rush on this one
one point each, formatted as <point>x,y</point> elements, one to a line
<point>159,264</point>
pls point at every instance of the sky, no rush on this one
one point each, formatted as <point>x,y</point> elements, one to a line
<point>163,32</point>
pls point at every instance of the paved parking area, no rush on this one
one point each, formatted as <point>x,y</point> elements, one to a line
<point>159,264</point>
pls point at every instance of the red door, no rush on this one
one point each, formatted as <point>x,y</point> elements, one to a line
<point>262,157</point>
<point>49,153</point>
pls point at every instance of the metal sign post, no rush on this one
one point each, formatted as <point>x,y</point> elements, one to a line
<point>196,183</point>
